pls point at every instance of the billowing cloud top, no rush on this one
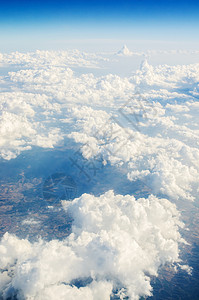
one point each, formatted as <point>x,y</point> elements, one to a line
<point>115,244</point>
<point>146,125</point>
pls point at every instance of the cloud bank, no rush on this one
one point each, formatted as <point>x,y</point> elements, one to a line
<point>116,244</point>
<point>146,125</point>
<point>153,114</point>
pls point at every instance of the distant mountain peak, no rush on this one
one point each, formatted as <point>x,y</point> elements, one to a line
<point>124,51</point>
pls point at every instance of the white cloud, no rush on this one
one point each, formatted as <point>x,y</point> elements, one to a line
<point>116,241</point>
<point>52,58</point>
<point>24,122</point>
<point>49,102</point>
<point>154,138</point>
<point>155,153</point>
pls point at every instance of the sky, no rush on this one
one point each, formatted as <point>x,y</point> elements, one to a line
<point>51,24</point>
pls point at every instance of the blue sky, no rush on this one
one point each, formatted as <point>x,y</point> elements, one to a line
<point>26,23</point>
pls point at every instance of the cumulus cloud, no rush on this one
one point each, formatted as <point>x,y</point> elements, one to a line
<point>25,123</point>
<point>146,125</point>
<point>154,135</point>
<point>152,150</point>
<point>116,244</point>
<point>164,76</point>
<point>52,58</point>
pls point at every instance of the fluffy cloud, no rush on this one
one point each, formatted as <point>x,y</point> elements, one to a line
<point>116,244</point>
<point>158,150</point>
<point>52,58</point>
<point>156,136</point>
<point>24,122</point>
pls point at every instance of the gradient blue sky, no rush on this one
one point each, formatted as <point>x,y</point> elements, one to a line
<point>42,24</point>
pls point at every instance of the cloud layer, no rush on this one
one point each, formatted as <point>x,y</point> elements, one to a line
<point>116,243</point>
<point>146,125</point>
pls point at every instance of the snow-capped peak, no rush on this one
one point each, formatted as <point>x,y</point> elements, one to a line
<point>124,51</point>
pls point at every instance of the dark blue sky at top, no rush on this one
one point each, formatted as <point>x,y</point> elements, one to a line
<point>100,19</point>
<point>30,11</point>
